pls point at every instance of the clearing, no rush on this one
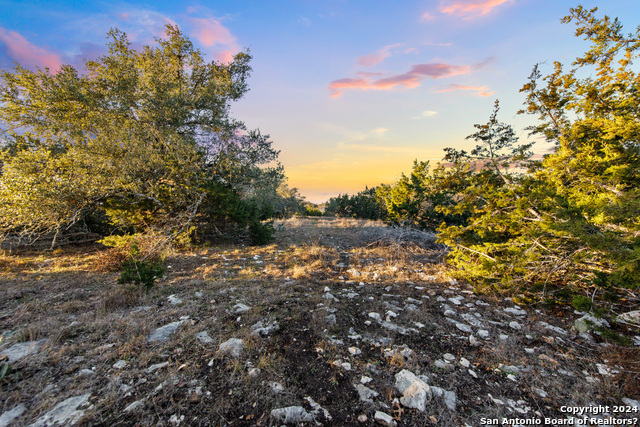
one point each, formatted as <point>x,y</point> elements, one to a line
<point>339,322</point>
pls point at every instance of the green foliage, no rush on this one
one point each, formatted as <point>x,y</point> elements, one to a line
<point>261,233</point>
<point>573,216</point>
<point>582,303</point>
<point>140,272</point>
<point>420,198</point>
<point>363,205</point>
<point>137,141</point>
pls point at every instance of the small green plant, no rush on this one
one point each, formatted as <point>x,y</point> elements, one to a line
<point>261,233</point>
<point>139,272</point>
<point>582,303</point>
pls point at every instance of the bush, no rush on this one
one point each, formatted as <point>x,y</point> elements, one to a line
<point>140,272</point>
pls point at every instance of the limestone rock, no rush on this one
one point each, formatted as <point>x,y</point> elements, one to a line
<point>156,366</point>
<point>415,392</point>
<point>587,322</point>
<point>64,413</point>
<point>138,404</point>
<point>385,419</point>
<point>23,349</point>
<point>7,417</point>
<point>204,337</point>
<point>241,308</point>
<point>632,317</point>
<point>231,347</point>
<point>292,415</point>
<point>365,393</point>
<point>163,333</point>
<point>262,329</point>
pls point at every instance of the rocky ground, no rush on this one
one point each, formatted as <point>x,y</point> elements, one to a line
<point>337,323</point>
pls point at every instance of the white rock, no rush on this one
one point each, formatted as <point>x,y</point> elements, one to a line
<point>449,357</point>
<point>317,408</point>
<point>174,299</point>
<point>415,392</point>
<point>156,366</point>
<point>472,320</point>
<point>503,337</point>
<point>292,415</point>
<point>632,317</point>
<point>588,322</point>
<point>23,349</point>
<point>64,413</point>
<point>632,403</point>
<point>464,362</point>
<point>385,419</point>
<point>163,333</point>
<point>330,297</point>
<point>365,379</point>
<point>263,329</point>
<point>463,327</point>
<point>449,397</point>
<point>540,392</point>
<point>7,417</point>
<point>483,333</point>
<point>473,373</point>
<point>354,351</point>
<point>138,404</point>
<point>365,393</point>
<point>204,337</point>
<point>276,387</point>
<point>199,294</point>
<point>515,325</point>
<point>231,347</point>
<point>86,373</point>
<point>516,311</point>
<point>241,308</point>
<point>120,364</point>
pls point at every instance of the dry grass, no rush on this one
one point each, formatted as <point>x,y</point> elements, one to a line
<point>91,322</point>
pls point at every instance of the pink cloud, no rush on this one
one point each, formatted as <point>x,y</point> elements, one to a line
<point>480,90</point>
<point>427,16</point>
<point>376,57</point>
<point>210,32</point>
<point>408,80</point>
<point>26,54</point>
<point>470,8</point>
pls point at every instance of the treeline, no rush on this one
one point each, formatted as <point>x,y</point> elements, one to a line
<point>139,142</point>
<point>571,217</point>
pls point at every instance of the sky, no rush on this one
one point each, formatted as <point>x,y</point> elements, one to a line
<point>351,92</point>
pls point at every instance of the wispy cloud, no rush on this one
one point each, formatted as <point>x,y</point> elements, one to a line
<point>472,8</point>
<point>304,21</point>
<point>408,80</point>
<point>376,57</point>
<point>19,49</point>
<point>214,36</point>
<point>428,17</point>
<point>426,114</point>
<point>480,90</point>
<point>142,25</point>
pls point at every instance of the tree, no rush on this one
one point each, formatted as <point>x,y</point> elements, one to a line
<point>575,216</point>
<point>138,139</point>
<point>415,199</point>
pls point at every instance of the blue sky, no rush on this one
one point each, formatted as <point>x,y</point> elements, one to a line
<point>351,92</point>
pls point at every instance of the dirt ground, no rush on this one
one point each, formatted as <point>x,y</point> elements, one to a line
<point>344,305</point>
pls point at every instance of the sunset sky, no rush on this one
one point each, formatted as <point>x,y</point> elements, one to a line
<point>351,92</point>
